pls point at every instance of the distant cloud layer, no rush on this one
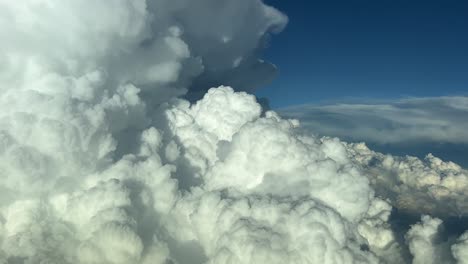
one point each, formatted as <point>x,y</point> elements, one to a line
<point>438,119</point>
<point>114,149</point>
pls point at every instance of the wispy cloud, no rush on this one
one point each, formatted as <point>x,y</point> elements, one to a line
<point>437,119</point>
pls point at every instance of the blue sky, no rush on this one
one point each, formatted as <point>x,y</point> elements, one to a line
<point>342,49</point>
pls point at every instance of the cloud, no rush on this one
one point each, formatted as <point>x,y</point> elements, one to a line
<point>425,242</point>
<point>424,186</point>
<point>460,248</point>
<point>107,156</point>
<point>438,119</point>
<point>257,230</point>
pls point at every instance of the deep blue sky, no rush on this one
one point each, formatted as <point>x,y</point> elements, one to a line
<point>371,49</point>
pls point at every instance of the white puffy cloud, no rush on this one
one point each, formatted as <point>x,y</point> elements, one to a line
<point>82,179</point>
<point>377,230</point>
<point>80,79</point>
<point>426,242</point>
<point>429,186</point>
<point>260,229</point>
<point>102,161</point>
<point>460,249</point>
<point>219,136</point>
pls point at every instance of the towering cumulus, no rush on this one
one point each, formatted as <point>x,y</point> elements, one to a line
<point>114,149</point>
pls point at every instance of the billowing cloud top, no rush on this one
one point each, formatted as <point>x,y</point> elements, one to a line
<point>102,161</point>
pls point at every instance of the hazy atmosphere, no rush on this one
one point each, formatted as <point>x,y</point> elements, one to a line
<point>233,131</point>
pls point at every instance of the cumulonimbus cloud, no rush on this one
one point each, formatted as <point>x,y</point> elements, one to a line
<point>103,161</point>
